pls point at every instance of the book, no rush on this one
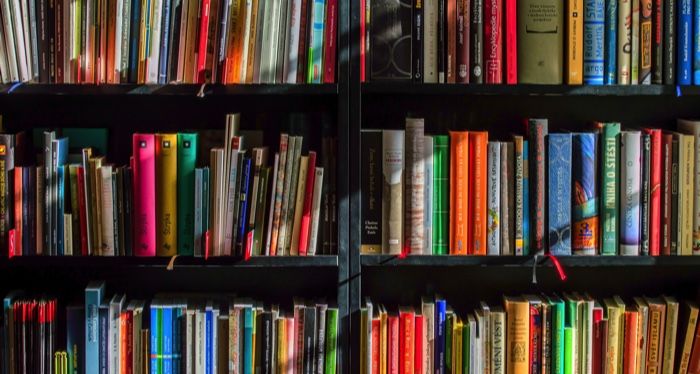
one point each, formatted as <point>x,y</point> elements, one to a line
<point>688,322</point>
<point>94,293</point>
<point>594,42</point>
<point>391,26</point>
<point>684,42</point>
<point>584,169</point>
<point>574,50</point>
<point>630,188</point>
<point>693,128</point>
<point>624,41</point>
<point>635,46</point>
<point>415,185</point>
<point>392,195</point>
<point>459,193</point>
<point>166,194</point>
<point>428,194</point>
<point>610,193</point>
<point>430,40</point>
<point>186,162</point>
<point>610,47</point>
<point>476,36</point>
<point>686,183</point>
<point>493,44</point>
<point>507,199</point>
<point>144,195</point>
<point>518,334</point>
<point>646,37</point>
<point>478,173</point>
<point>493,217</point>
<point>519,188</point>
<point>559,169</point>
<point>537,130</point>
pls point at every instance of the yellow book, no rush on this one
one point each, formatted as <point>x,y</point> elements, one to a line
<point>518,335</point>
<point>687,331</point>
<point>614,316</point>
<point>250,61</point>
<point>166,194</point>
<point>669,345</point>
<point>687,184</point>
<point>299,205</point>
<point>383,341</point>
<point>574,48</point>
<point>457,337</point>
<point>282,344</point>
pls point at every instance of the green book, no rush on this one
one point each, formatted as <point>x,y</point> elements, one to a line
<point>557,309</point>
<point>205,206</point>
<point>569,350</point>
<point>331,340</point>
<point>186,161</point>
<point>571,321</point>
<point>610,193</point>
<point>449,320</point>
<point>441,194</point>
<point>261,198</point>
<point>466,347</point>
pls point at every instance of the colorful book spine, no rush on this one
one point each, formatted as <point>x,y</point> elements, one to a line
<point>415,186</point>
<point>459,193</point>
<point>585,228</point>
<point>574,45</point>
<point>696,43</point>
<point>610,193</point>
<point>441,194</point>
<point>630,190</point>
<point>645,195</point>
<point>687,183</point>
<point>657,43</point>
<point>635,47</point>
<point>610,47</point>
<point>166,194</point>
<point>440,334</point>
<point>316,42</point>
<point>144,195</point>
<point>645,41</point>
<point>244,203</point>
<point>93,298</point>
<point>684,42</point>
<point>666,191</point>
<point>593,42</point>
<point>526,198</point>
<point>559,188</point>
<point>519,189</point>
<point>186,162</point>
<point>511,39</point>
<point>656,167</point>
<point>624,40</point>
<point>670,24</point>
<point>478,195</point>
<point>428,194</point>
<point>392,194</point>
<point>493,50</point>
<point>537,130</point>
<point>507,187</point>
<point>477,42</point>
<point>493,238</point>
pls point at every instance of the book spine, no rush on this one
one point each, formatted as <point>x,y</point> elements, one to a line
<point>186,160</point>
<point>441,40</point>
<point>298,205</point>
<point>519,188</point>
<point>646,38</point>
<point>244,203</point>
<point>493,45</point>
<point>463,27</point>
<point>669,45</point>
<point>316,42</point>
<point>526,199</point>
<point>624,41</point>
<point>610,47</point>
<point>585,228</point>
<point>108,245</point>
<point>635,43</point>
<point>574,73</point>
<point>6,170</point>
<point>330,41</point>
<point>537,130</point>
<point>459,193</point>
<point>494,199</point>
<point>430,41</point>
<point>477,39</point>
<point>507,186</point>
<point>687,200</point>
<point>417,46</point>
<point>451,40</point>
<point>316,211</point>
<point>202,43</point>
<point>610,193</point>
<point>594,42</point>
<point>685,42</point>
<point>630,174</point>
<point>415,185</point>
<point>166,194</point>
<point>655,233</point>
<point>645,193</point>
<point>392,199</point>
<point>428,194</point>
<point>511,40</point>
<point>441,194</point>
<point>666,192</point>
<point>165,40</point>
<point>439,354</point>
<point>478,193</point>
<point>364,27</point>
<point>559,186</point>
<point>144,195</point>
<point>308,201</point>
<point>695,60</point>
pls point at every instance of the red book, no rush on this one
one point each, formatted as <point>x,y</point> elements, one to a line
<point>376,327</point>
<point>203,38</point>
<point>363,42</point>
<point>82,211</point>
<point>18,211</point>
<point>631,340</point>
<point>535,338</point>
<point>306,212</point>
<point>144,170</point>
<point>493,41</point>
<point>330,42</point>
<point>463,27</point>
<point>127,334</point>
<point>451,40</point>
<point>511,42</point>
<point>655,188</point>
<point>666,192</point>
<point>598,332</point>
<point>393,344</point>
<point>418,342</point>
<point>406,341</point>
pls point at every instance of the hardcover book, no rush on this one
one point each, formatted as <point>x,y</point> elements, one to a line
<point>584,168</point>
<point>390,47</point>
<point>630,190</point>
<point>537,130</point>
<point>493,44</point>
<point>478,195</point>
<point>645,41</point>
<point>493,238</point>
<point>624,41</point>
<point>669,53</point>
<point>693,128</point>
<point>371,192</point>
<point>186,161</point>
<point>520,209</point>
<point>559,186</point>
<point>459,193</point>
<point>574,50</point>
<point>593,42</point>
<point>684,42</point>
<point>392,193</point>
<point>441,194</point>
<point>144,195</point>
<point>610,47</point>
<point>166,194</point>
<point>415,185</point>
<point>477,42</point>
<point>610,193</point>
<point>428,194</point>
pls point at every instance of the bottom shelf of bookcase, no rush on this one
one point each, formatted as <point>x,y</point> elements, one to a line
<point>527,261</point>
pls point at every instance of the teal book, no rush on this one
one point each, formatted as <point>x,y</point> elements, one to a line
<point>610,193</point>
<point>186,161</point>
<point>557,309</point>
<point>248,340</point>
<point>441,194</point>
<point>315,74</point>
<point>331,341</point>
<point>94,292</point>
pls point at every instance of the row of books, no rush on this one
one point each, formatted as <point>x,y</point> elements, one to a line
<point>530,41</point>
<point>170,334</point>
<point>168,41</point>
<point>163,204</point>
<point>533,334</point>
<point>607,191</point>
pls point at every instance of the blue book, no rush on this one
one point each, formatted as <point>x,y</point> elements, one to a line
<point>164,43</point>
<point>593,41</point>
<point>526,199</point>
<point>440,324</point>
<point>696,42</point>
<point>248,340</point>
<point>75,337</point>
<point>209,338</point>
<point>316,42</point>
<point>59,157</point>
<point>167,315</point>
<point>610,47</point>
<point>585,231</point>
<point>104,338</point>
<point>60,207</point>
<point>245,197</point>
<point>155,331</point>
<point>685,44</point>
<point>135,37</point>
<point>559,193</point>
<point>94,292</point>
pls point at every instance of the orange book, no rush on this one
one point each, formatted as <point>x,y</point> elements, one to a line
<point>459,192</point>
<point>631,341</point>
<point>477,194</point>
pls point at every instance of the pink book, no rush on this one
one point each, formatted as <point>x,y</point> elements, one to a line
<point>144,170</point>
<point>306,212</point>
<point>329,41</point>
<point>290,346</point>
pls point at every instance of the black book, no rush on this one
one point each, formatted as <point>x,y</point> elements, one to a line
<point>646,192</point>
<point>417,49</point>
<point>267,341</point>
<point>657,42</point>
<point>134,37</point>
<point>221,346</point>
<point>333,229</point>
<point>669,72</point>
<point>309,340</point>
<point>442,41</point>
<point>390,47</point>
<point>119,209</point>
<point>321,310</point>
<point>174,42</point>
<point>51,30</point>
<point>674,196</point>
<point>30,192</point>
<point>115,216</point>
<point>371,188</point>
<point>477,38</point>
<point>259,343</point>
<point>42,39</point>
<point>26,221</point>
<point>103,322</point>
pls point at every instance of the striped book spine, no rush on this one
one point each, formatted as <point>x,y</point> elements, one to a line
<point>593,41</point>
<point>441,190</point>
<point>559,188</point>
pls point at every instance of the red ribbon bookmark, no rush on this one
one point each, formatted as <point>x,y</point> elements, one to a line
<point>557,265</point>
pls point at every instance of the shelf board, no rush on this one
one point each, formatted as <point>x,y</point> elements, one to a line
<point>266,262</point>
<point>409,88</point>
<point>526,261</point>
<point>169,89</point>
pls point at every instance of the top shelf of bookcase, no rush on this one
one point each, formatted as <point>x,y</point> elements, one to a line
<point>170,89</point>
<point>526,261</point>
<point>409,88</point>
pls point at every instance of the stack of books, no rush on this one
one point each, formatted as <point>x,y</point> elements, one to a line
<point>591,42</point>
<point>168,41</point>
<point>246,202</point>
<point>533,334</point>
<point>171,334</point>
<point>607,191</point>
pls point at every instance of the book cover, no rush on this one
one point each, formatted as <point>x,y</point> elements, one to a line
<point>476,36</point>
<point>316,212</point>
<point>166,194</point>
<point>537,130</point>
<point>390,47</point>
<point>459,192</point>
<point>493,43</point>
<point>610,47</point>
<point>693,128</point>
<point>630,190</point>
<point>477,195</point>
<point>624,40</point>
<point>670,24</point>
<point>186,162</point>
<point>655,165</point>
<point>519,212</point>
<point>144,195</point>
<point>574,42</point>
<point>559,188</point>
<point>428,195</point>
<point>593,42</point>
<point>645,41</point>
<point>415,185</point>
<point>657,42</point>
<point>441,194</point>
<point>685,43</point>
<point>392,194</point>
<point>493,235</point>
<point>610,193</point>
<point>518,335</point>
<point>584,168</point>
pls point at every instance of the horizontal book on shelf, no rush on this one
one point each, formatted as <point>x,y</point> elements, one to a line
<point>606,191</point>
<point>532,334</point>
<point>180,194</point>
<point>591,42</point>
<point>172,333</point>
<point>168,41</point>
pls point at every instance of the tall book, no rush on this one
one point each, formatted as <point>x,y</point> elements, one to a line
<point>519,187</point>
<point>657,42</point>
<point>584,168</point>
<point>476,36</point>
<point>693,128</point>
<point>574,42</point>
<point>624,40</point>
<point>441,194</point>
<point>507,187</point>
<point>108,207</point>
<point>94,293</point>
<point>391,26</point>
<point>670,24</point>
<point>610,193</point>
<point>655,171</point>
<point>594,42</point>
<point>166,194</point>
<point>537,130</point>
<point>186,162</point>
<point>684,40</point>
<point>666,191</point>
<point>511,41</point>
<point>635,47</point>
<point>493,44</point>
<point>493,236</point>
<point>646,36</point>
<point>686,178</point>
<point>371,191</point>
<point>478,194</point>
<point>518,335</point>
<point>559,187</point>
<point>392,192</point>
<point>415,185</point>
<point>463,40</point>
<point>430,40</point>
<point>144,195</point>
<point>630,190</point>
<point>428,194</point>
<point>459,193</point>
<point>450,40</point>
<point>610,47</point>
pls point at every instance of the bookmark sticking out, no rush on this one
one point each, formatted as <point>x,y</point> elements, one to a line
<point>248,246</point>
<point>201,93</point>
<point>555,262</point>
<point>557,265</point>
<point>11,243</point>
<point>171,263</point>
<point>206,245</point>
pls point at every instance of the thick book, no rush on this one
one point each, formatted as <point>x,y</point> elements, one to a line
<point>477,194</point>
<point>392,192</point>
<point>441,194</point>
<point>415,185</point>
<point>186,162</point>
<point>610,47</point>
<point>686,185</point>
<point>684,40</point>
<point>144,195</point>
<point>624,40</point>
<point>166,194</point>
<point>493,236</point>
<point>518,335</point>
<point>691,127</point>
<point>476,36</point>
<point>593,42</point>
<point>390,47</point>
<point>537,130</point>
<point>630,190</point>
<point>459,192</point>
<point>559,188</point>
<point>585,218</point>
<point>574,42</point>
<point>609,193</point>
<point>493,43</point>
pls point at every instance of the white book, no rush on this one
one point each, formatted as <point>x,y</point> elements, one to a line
<point>247,53</point>
<point>291,62</point>
<point>271,10</point>
<point>415,181</point>
<point>189,347</point>
<point>428,310</point>
<point>4,73</point>
<point>428,196</point>
<point>315,212</point>
<point>493,234</point>
<point>118,31</point>
<point>67,234</point>
<point>114,319</point>
<point>430,41</point>
<point>8,30</point>
<point>507,205</point>
<point>630,189</point>
<point>392,191</point>
<point>107,211</point>
<point>624,35</point>
<point>271,206</point>
<point>152,62</point>
<point>693,128</point>
<point>21,34</point>
<point>214,338</point>
<point>231,193</point>
<point>200,342</point>
<point>275,21</point>
<point>121,49</point>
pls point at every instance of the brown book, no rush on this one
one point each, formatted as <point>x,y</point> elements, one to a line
<point>252,35</point>
<point>657,320</point>
<point>303,39</point>
<point>463,25</point>
<point>688,324</point>
<point>668,359</point>
<point>451,40</point>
